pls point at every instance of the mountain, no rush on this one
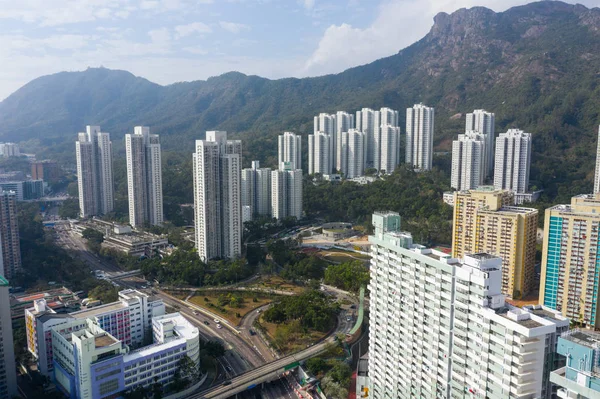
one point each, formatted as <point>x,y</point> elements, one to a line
<point>536,66</point>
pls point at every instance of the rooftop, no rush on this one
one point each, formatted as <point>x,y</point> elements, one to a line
<point>526,322</point>
<point>483,256</point>
<point>587,338</point>
<point>104,340</point>
<point>87,313</point>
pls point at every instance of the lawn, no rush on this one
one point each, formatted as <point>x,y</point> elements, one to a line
<point>231,305</point>
<point>338,256</point>
<point>277,283</point>
<point>289,338</point>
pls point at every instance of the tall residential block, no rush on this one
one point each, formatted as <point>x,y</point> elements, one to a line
<point>218,196</point>
<point>319,153</point>
<point>513,159</point>
<point>343,123</point>
<point>419,136</point>
<point>290,149</point>
<point>388,145</point>
<point>485,222</point>
<point>354,143</point>
<point>579,378</point>
<point>570,260</point>
<point>256,189</point>
<point>597,174</point>
<point>8,375</point>
<point>368,121</point>
<point>468,161</point>
<point>441,327</point>
<point>286,189</point>
<point>45,170</point>
<point>94,172</point>
<point>9,150</point>
<point>326,123</point>
<point>483,122</point>
<point>144,177</point>
<point>10,261</point>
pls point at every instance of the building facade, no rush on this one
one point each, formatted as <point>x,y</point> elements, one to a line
<point>8,375</point>
<point>441,327</point>
<point>419,136</point>
<point>483,122</point>
<point>468,161</point>
<point>368,121</point>
<point>513,159</point>
<point>25,190</point>
<point>218,196</point>
<point>484,222</point>
<point>286,188</point>
<point>129,320</point>
<point>319,153</point>
<point>94,172</point>
<point>256,189</point>
<point>570,261</point>
<point>388,148</point>
<point>90,363</point>
<point>290,149</point>
<point>354,143</point>
<point>343,123</point>
<point>8,150</point>
<point>9,235</point>
<point>45,170</point>
<point>144,177</point>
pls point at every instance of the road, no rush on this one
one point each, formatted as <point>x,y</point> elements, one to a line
<point>75,246</point>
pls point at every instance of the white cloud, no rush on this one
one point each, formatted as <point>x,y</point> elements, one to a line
<point>308,4</point>
<point>195,50</point>
<point>398,24</point>
<point>233,27</point>
<point>149,4</point>
<point>195,27</point>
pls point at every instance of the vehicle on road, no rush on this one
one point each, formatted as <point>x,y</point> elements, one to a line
<point>229,369</point>
<point>252,332</point>
<point>217,321</point>
<point>259,311</point>
<point>219,326</point>
<point>196,312</point>
<point>206,322</point>
<point>226,383</point>
<point>352,306</point>
<point>348,318</point>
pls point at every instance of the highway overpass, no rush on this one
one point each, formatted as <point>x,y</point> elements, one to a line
<point>266,373</point>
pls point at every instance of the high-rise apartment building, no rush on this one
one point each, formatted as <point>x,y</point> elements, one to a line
<point>483,122</point>
<point>441,327</point>
<point>343,123</point>
<point>290,149</point>
<point>45,170</point>
<point>485,222</point>
<point>570,260</point>
<point>468,161</point>
<point>579,378</point>
<point>8,375</point>
<point>319,153</point>
<point>218,196</point>
<point>368,122</point>
<point>354,143</point>
<point>256,189</point>
<point>513,159</point>
<point>326,123</point>
<point>597,174</point>
<point>94,172</point>
<point>144,177</point>
<point>386,141</point>
<point>286,186</point>
<point>10,262</point>
<point>9,150</point>
<point>388,148</point>
<point>419,136</point>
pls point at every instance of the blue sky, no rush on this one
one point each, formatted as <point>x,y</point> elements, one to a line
<point>167,41</point>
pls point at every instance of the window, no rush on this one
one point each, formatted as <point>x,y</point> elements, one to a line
<point>108,386</point>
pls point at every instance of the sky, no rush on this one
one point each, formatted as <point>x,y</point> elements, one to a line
<point>168,41</point>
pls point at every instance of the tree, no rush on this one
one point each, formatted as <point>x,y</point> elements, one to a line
<point>69,209</point>
<point>104,292</point>
<point>316,365</point>
<point>94,239</point>
<point>349,276</point>
<point>186,373</point>
<point>213,349</point>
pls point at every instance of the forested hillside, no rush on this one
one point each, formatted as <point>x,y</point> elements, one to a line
<point>535,66</point>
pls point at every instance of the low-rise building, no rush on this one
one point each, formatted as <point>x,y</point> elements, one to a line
<point>90,363</point>
<point>129,320</point>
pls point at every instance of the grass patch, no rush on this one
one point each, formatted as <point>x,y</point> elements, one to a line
<point>338,256</point>
<point>231,305</point>
<point>290,337</point>
<point>279,284</point>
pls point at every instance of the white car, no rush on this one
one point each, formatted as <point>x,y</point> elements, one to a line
<point>219,326</point>
<point>217,321</point>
